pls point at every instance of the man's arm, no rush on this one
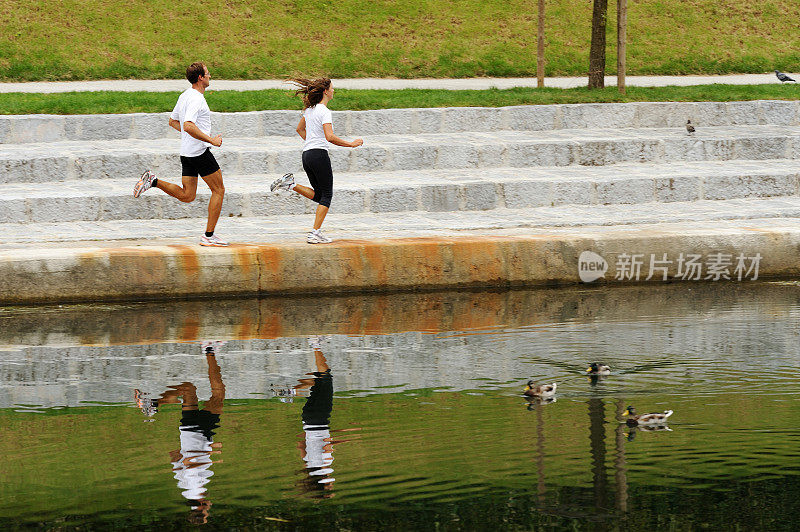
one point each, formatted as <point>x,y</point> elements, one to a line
<point>194,131</point>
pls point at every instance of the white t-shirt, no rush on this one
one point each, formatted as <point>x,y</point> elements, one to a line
<point>316,456</point>
<point>315,135</point>
<point>192,468</point>
<point>192,107</point>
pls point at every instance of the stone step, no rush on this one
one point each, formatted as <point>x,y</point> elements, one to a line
<point>760,213</point>
<point>59,161</point>
<point>18,129</point>
<point>417,190</point>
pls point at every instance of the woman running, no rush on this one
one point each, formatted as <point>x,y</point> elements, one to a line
<point>316,129</point>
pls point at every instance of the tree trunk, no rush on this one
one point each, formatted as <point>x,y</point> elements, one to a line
<point>622,38</point>
<point>597,53</point>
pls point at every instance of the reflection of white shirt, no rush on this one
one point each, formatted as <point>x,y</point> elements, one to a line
<point>192,107</point>
<point>315,134</point>
<point>192,468</point>
<point>316,455</point>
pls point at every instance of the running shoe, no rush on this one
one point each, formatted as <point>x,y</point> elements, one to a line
<point>212,240</point>
<point>316,237</point>
<point>314,342</point>
<point>283,183</point>
<point>211,347</point>
<point>144,183</point>
<point>146,404</point>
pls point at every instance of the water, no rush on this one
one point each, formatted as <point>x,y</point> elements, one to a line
<point>405,412</point>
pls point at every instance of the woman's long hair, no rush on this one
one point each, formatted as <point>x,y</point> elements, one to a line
<point>312,90</point>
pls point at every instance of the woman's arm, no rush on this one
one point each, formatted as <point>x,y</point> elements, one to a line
<point>301,128</point>
<point>333,139</point>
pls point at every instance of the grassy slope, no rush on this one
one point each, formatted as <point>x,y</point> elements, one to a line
<point>85,39</point>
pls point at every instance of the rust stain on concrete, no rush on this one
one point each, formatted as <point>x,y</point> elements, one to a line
<point>190,329</point>
<point>245,256</point>
<point>190,262</point>
<point>270,262</point>
<point>373,255</point>
<point>377,316</point>
<point>245,327</point>
<point>480,260</point>
<point>270,326</point>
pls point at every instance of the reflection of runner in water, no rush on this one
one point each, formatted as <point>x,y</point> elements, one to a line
<point>316,447</point>
<point>191,464</point>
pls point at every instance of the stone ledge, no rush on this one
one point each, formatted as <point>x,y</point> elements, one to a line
<point>489,261</point>
<point>20,129</point>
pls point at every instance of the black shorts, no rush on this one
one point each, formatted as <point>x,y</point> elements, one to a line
<point>317,164</point>
<point>200,166</point>
<point>318,407</point>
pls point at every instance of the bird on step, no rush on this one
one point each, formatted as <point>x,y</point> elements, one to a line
<point>782,77</point>
<point>689,127</point>
<point>635,419</point>
<point>598,369</point>
<point>539,390</point>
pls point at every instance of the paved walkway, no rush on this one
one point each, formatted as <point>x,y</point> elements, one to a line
<point>373,83</point>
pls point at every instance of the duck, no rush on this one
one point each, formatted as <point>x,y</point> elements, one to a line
<point>645,419</point>
<point>533,402</point>
<point>540,390</point>
<point>598,369</point>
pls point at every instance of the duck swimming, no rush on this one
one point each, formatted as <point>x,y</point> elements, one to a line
<point>540,390</point>
<point>645,419</point>
<point>598,369</point>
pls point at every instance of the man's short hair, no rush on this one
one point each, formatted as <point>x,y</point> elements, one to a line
<point>194,71</point>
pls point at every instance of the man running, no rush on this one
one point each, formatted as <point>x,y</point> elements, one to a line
<point>192,118</point>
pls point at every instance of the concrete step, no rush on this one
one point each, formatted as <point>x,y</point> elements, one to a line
<point>52,128</point>
<point>57,161</point>
<point>758,212</point>
<point>414,190</point>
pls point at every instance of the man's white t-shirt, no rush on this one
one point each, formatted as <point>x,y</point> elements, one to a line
<point>315,135</point>
<point>192,468</point>
<point>192,107</point>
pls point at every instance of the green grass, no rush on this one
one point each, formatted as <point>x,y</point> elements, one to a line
<point>252,39</point>
<point>232,101</point>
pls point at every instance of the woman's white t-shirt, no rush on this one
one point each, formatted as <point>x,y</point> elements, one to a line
<point>192,107</point>
<point>315,136</point>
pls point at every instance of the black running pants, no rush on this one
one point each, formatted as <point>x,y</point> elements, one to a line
<point>317,164</point>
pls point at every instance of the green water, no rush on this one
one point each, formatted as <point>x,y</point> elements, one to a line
<point>426,427</point>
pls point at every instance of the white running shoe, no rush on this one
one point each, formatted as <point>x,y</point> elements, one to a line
<point>283,183</point>
<point>314,342</point>
<point>144,183</point>
<point>212,240</point>
<point>316,237</point>
<point>211,347</point>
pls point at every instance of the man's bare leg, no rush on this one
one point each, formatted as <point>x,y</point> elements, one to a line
<point>214,182</point>
<point>214,405</point>
<point>186,194</point>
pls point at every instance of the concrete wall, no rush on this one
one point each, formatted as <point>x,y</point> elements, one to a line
<point>179,271</point>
